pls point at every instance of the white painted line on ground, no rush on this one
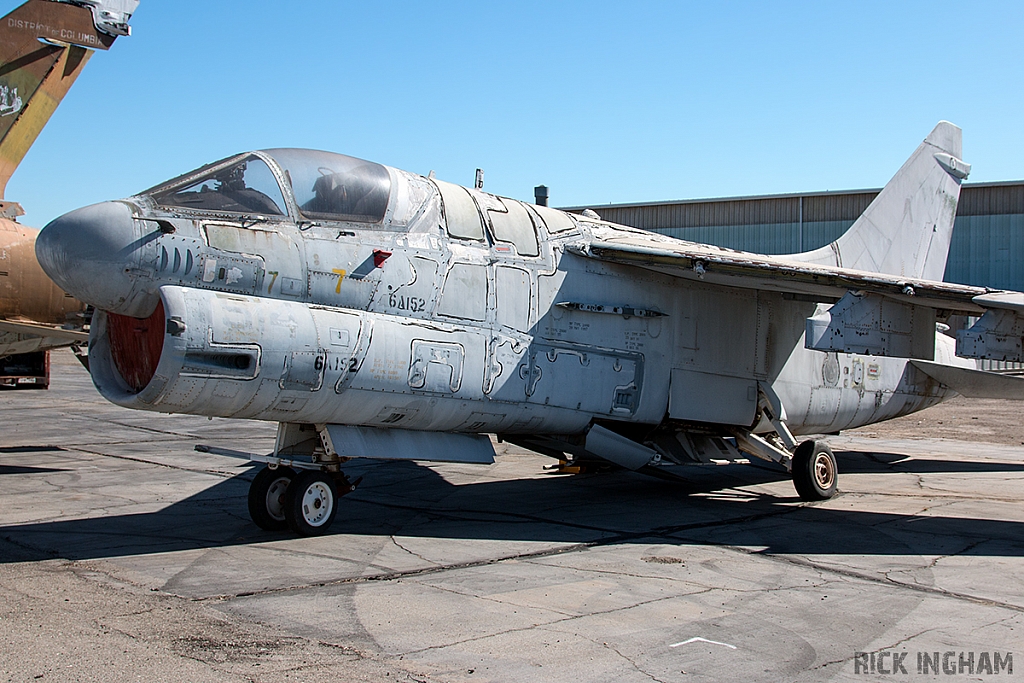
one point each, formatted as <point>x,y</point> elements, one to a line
<point>697,639</point>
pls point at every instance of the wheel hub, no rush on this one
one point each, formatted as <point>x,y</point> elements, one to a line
<point>316,503</point>
<point>824,473</point>
<point>275,498</point>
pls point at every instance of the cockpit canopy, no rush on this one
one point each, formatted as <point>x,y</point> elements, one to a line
<point>331,186</point>
<point>323,186</point>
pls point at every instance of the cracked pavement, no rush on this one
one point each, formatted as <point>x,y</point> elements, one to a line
<point>126,553</point>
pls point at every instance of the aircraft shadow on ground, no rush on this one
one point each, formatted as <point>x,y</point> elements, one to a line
<point>878,461</point>
<point>713,507</point>
<point>28,469</point>
<point>31,449</point>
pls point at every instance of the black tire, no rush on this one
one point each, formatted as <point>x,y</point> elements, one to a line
<point>311,502</point>
<point>267,496</point>
<point>815,474</point>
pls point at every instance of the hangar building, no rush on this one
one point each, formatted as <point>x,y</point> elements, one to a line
<point>988,236</point>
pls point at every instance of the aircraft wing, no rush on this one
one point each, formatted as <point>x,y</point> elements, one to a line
<point>68,336</point>
<point>873,313</point>
<point>728,267</point>
<point>24,337</point>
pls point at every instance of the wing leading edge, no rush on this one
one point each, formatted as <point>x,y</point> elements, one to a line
<point>726,267</point>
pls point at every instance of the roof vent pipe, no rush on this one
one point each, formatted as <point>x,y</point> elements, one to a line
<point>540,195</point>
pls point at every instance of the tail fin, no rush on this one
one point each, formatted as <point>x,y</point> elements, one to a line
<point>907,228</point>
<point>43,47</point>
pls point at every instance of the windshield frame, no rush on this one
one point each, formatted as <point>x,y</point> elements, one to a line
<point>186,179</point>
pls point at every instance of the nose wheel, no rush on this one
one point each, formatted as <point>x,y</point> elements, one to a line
<point>311,502</point>
<point>266,498</point>
<point>303,500</point>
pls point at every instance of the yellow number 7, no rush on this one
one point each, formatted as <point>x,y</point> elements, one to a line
<point>341,276</point>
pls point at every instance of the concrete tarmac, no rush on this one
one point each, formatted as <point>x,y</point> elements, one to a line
<point>126,555</point>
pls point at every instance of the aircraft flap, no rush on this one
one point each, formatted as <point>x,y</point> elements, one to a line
<point>973,383</point>
<point>408,444</point>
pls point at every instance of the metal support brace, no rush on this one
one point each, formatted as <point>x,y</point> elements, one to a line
<point>296,463</point>
<point>326,457</point>
<point>761,448</point>
<point>771,408</point>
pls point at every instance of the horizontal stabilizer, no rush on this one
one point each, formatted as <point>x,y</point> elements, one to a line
<point>407,444</point>
<point>974,383</point>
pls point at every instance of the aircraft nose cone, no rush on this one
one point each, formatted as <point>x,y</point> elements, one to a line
<point>88,251</point>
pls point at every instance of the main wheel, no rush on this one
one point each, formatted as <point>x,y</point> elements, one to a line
<point>814,471</point>
<point>311,502</point>
<point>266,498</point>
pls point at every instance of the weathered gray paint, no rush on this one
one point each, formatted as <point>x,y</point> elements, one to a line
<point>406,324</point>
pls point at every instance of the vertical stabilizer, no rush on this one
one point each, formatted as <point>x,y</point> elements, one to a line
<point>43,47</point>
<point>906,230</point>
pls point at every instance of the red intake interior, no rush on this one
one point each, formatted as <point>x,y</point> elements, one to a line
<point>135,345</point>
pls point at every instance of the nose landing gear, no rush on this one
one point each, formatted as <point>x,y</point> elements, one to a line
<point>301,484</point>
<point>297,497</point>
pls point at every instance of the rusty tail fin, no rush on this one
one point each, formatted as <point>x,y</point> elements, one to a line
<point>43,47</point>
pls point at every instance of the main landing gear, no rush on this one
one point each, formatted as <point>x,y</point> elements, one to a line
<point>811,463</point>
<point>814,471</point>
<point>305,501</point>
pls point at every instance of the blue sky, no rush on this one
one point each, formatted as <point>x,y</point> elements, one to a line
<point>604,102</point>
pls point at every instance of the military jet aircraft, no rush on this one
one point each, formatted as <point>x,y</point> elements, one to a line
<point>44,45</point>
<point>377,313</point>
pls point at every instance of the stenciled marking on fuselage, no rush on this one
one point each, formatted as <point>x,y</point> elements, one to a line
<point>341,273</point>
<point>340,361</point>
<point>414,304</point>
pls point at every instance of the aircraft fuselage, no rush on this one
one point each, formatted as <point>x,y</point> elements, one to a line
<point>436,308</point>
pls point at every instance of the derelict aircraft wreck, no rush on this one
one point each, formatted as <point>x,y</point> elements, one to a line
<point>377,313</point>
<point>44,46</point>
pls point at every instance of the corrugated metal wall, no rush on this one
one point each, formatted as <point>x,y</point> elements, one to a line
<point>698,213</point>
<point>988,236</point>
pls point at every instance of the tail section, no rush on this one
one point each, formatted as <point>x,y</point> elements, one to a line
<point>43,47</point>
<point>906,230</point>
